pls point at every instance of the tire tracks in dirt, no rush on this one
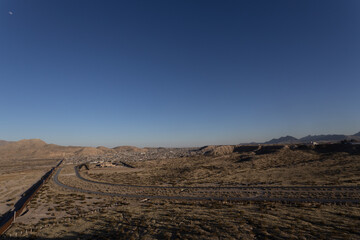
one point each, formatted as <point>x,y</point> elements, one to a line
<point>263,190</point>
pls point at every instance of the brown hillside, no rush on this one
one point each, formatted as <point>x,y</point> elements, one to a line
<point>89,151</point>
<point>32,148</point>
<point>129,149</point>
<point>3,142</point>
<point>106,150</point>
<point>38,149</point>
<point>217,150</point>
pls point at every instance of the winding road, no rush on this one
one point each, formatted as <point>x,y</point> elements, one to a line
<point>319,194</point>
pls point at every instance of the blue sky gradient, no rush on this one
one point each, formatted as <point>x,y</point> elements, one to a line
<point>178,73</point>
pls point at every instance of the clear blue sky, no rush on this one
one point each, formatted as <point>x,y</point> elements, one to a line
<point>178,72</point>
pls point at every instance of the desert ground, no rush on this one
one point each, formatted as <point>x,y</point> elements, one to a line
<point>215,192</point>
<point>17,176</point>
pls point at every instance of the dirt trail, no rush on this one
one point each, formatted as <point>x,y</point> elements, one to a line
<point>321,194</point>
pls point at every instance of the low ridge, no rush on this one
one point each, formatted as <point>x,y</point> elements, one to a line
<point>287,139</point>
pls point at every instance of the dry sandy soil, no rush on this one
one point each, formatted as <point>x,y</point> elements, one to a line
<point>16,176</point>
<point>58,213</point>
<point>284,167</point>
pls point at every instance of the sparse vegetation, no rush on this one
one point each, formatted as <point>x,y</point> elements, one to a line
<point>57,213</point>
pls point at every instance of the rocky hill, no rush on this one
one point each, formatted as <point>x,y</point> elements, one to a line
<point>33,148</point>
<point>36,148</point>
<point>216,150</point>
<point>3,142</point>
<point>283,140</point>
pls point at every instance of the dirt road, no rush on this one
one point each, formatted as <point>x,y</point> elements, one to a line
<point>321,194</point>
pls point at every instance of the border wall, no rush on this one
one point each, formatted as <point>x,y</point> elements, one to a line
<point>9,217</point>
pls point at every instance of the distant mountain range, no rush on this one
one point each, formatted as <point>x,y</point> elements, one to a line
<point>314,138</point>
<point>287,139</point>
<point>38,149</point>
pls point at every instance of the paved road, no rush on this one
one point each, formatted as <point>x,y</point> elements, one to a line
<point>264,196</point>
